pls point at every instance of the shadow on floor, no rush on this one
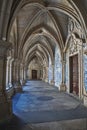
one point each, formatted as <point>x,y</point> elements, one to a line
<point>14,123</point>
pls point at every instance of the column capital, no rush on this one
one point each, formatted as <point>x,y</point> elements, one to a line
<point>4,46</point>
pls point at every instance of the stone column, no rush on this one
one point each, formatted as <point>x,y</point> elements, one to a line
<point>14,73</point>
<point>18,87</point>
<point>5,103</point>
<point>9,85</point>
<point>40,72</point>
<point>10,76</point>
<point>46,74</point>
<point>63,85</point>
<point>7,73</point>
<point>43,74</point>
<point>23,75</point>
<point>52,81</point>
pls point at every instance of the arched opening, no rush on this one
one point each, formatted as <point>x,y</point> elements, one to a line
<point>34,70</point>
<point>47,55</point>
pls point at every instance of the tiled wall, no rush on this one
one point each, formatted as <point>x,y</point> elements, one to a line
<point>58,68</point>
<point>85,71</point>
<point>50,71</point>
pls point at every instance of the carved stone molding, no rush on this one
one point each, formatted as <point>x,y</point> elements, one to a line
<point>75,44</point>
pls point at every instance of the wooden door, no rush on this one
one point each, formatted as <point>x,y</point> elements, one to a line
<point>34,74</point>
<point>74,88</point>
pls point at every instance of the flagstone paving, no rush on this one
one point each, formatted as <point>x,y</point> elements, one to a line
<point>42,107</point>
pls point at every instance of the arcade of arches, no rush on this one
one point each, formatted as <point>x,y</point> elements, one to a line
<point>42,40</point>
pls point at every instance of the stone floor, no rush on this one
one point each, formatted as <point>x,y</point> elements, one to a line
<point>42,107</point>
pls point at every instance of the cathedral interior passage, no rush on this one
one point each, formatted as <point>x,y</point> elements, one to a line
<point>43,64</point>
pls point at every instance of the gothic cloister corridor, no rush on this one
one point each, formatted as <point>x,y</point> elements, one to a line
<point>43,64</point>
<point>41,106</point>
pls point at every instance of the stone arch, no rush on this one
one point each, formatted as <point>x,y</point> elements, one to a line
<point>46,34</point>
<point>43,7</point>
<point>62,8</point>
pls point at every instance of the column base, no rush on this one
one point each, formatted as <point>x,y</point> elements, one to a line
<point>43,79</point>
<point>62,87</point>
<point>85,100</point>
<point>5,108</point>
<point>52,82</point>
<point>18,87</point>
<point>23,82</point>
<point>10,92</point>
<point>46,80</point>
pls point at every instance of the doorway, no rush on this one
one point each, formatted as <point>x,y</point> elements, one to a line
<point>73,65</point>
<point>34,74</point>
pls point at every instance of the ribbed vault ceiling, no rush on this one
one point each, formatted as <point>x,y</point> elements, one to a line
<point>39,26</point>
